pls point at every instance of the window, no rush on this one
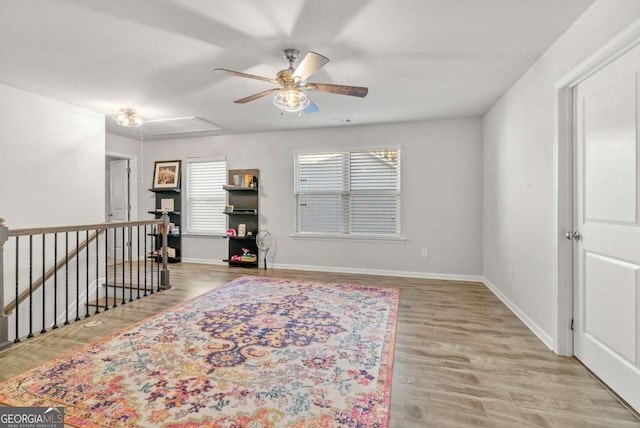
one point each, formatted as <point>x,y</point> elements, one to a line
<point>205,197</point>
<point>349,193</point>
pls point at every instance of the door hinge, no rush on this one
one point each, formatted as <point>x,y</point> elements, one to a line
<point>571,326</point>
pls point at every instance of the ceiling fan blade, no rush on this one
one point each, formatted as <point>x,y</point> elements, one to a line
<point>311,63</point>
<point>311,108</point>
<point>248,76</point>
<point>354,91</point>
<point>256,96</point>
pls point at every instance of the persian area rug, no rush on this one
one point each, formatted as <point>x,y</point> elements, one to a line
<point>255,352</point>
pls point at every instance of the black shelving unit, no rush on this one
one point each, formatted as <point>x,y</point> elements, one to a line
<point>174,240</point>
<point>243,195</point>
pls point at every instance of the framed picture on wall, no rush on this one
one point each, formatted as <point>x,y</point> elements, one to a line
<point>166,175</point>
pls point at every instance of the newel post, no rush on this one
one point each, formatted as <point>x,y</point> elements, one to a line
<point>4,321</point>
<point>164,275</point>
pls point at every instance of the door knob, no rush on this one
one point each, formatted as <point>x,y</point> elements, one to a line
<point>573,235</point>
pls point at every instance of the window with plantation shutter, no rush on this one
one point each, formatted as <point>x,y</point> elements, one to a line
<point>205,197</point>
<point>348,193</point>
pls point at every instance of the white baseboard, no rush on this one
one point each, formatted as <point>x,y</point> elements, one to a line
<point>381,272</point>
<point>535,328</point>
<point>360,271</point>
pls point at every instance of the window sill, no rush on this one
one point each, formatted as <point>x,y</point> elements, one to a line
<point>330,237</point>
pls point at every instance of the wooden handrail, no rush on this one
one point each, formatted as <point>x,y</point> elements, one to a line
<point>97,226</point>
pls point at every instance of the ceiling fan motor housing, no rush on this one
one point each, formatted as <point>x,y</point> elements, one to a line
<point>291,55</point>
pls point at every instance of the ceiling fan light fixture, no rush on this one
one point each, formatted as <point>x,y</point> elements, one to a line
<point>291,100</point>
<point>128,117</point>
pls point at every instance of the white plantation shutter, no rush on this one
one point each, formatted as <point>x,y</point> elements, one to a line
<point>205,197</point>
<point>348,193</point>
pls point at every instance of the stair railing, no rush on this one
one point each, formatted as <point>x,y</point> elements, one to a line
<point>60,292</point>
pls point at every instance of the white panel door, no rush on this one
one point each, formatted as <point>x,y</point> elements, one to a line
<point>118,204</point>
<point>607,262</point>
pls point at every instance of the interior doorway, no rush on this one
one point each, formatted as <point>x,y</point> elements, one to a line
<point>607,225</point>
<point>120,199</point>
<point>597,176</point>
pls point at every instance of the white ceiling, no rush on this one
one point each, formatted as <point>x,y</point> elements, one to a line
<point>420,59</point>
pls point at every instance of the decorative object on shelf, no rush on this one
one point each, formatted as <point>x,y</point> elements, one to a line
<point>264,241</point>
<point>166,175</point>
<point>166,205</point>
<point>245,181</point>
<point>246,257</point>
<point>231,232</point>
<point>242,229</point>
<point>228,209</point>
<point>128,117</point>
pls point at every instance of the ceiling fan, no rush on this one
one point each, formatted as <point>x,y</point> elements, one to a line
<point>291,81</point>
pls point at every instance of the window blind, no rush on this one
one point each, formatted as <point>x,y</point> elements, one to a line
<point>348,193</point>
<point>205,197</point>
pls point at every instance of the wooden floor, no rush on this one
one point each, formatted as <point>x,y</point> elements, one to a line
<point>462,358</point>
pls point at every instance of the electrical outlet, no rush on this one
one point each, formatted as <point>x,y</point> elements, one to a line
<point>424,253</point>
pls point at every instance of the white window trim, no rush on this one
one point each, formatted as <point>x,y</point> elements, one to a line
<point>399,237</point>
<point>185,215</point>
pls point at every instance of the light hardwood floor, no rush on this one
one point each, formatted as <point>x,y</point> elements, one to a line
<point>462,359</point>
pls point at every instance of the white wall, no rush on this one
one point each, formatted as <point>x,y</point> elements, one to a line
<point>51,161</point>
<point>441,200</point>
<point>518,157</point>
<point>51,170</point>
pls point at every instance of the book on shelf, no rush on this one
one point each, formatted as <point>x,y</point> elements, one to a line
<point>245,180</point>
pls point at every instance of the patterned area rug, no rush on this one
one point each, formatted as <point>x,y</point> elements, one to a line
<point>255,352</point>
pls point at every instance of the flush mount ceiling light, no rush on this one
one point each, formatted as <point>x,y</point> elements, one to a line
<point>128,117</point>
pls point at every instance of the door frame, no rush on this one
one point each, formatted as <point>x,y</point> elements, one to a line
<point>563,179</point>
<point>133,181</point>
